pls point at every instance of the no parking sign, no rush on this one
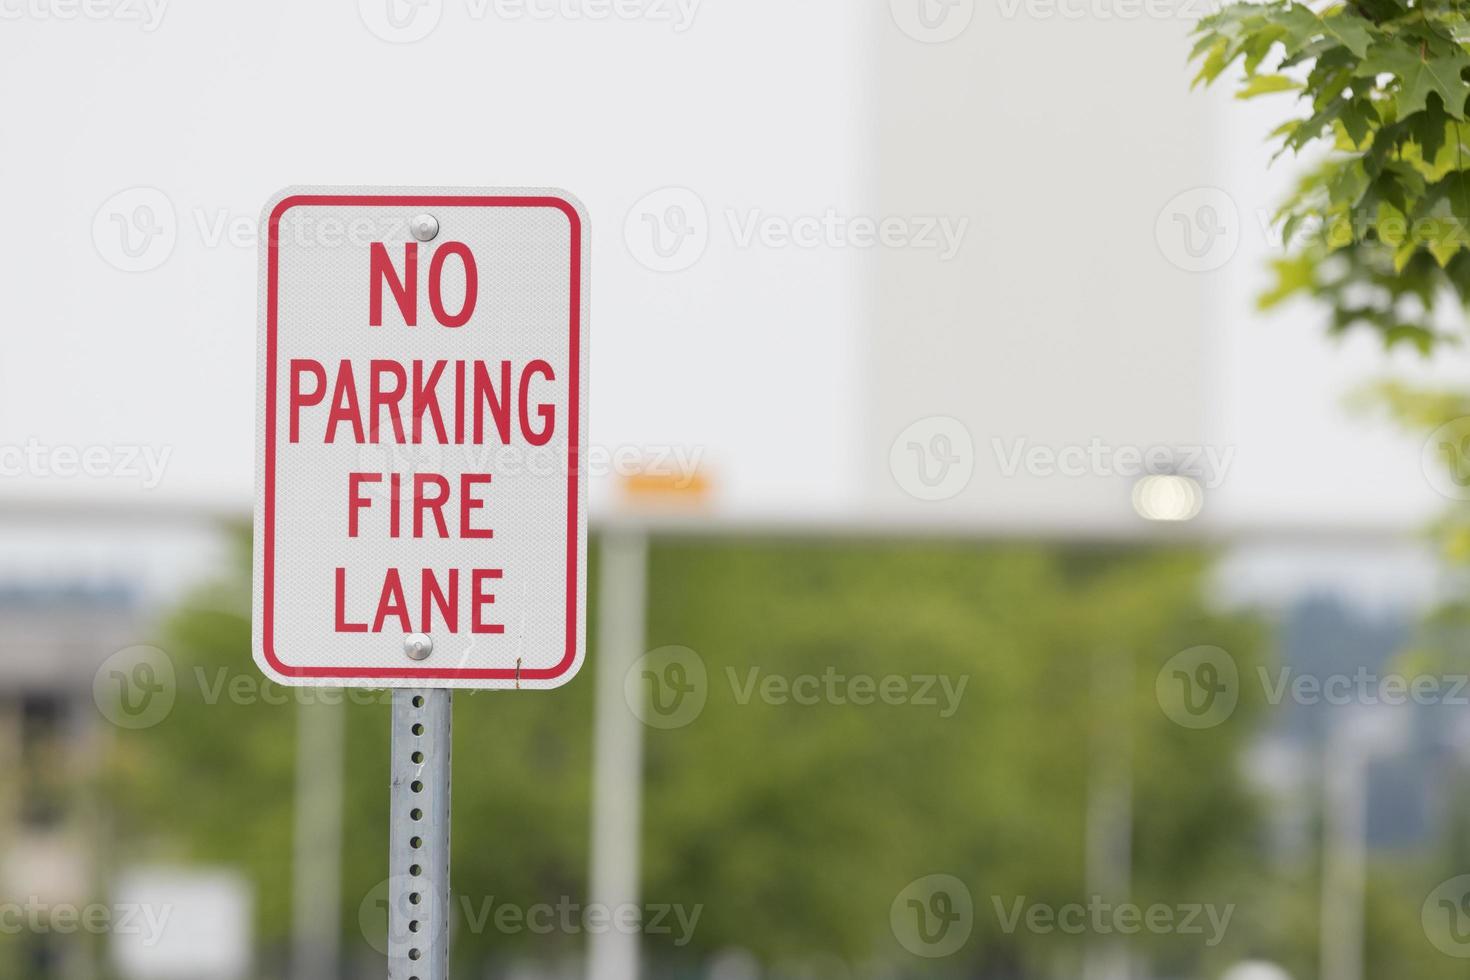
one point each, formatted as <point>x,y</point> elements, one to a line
<point>422,415</point>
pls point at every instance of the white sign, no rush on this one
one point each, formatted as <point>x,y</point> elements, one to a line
<point>420,504</point>
<point>181,924</point>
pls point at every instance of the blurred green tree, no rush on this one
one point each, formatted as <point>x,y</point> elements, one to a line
<point>1376,233</point>
<point>794,825</point>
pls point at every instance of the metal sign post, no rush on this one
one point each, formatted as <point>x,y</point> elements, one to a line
<point>418,845</point>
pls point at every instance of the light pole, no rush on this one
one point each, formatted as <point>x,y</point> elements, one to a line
<point>316,890</point>
<point>617,760</point>
<point>1359,736</point>
<point>1110,806</point>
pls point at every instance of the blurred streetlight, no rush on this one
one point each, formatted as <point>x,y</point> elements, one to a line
<point>1168,497</point>
<point>1255,970</point>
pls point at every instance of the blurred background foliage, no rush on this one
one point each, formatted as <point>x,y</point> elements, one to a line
<point>793,826</point>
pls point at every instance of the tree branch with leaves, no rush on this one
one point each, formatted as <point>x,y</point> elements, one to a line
<point>1377,227</point>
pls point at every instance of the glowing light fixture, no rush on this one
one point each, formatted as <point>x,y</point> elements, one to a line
<point>1168,497</point>
<point>1255,970</point>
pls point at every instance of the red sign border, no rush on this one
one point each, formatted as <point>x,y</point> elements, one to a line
<point>573,441</point>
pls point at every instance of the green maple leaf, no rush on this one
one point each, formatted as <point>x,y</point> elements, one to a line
<point>1428,129</point>
<point>1358,119</point>
<point>1378,10</point>
<point>1294,274</point>
<point>1419,77</point>
<point>1399,184</point>
<point>1354,32</point>
<point>1258,47</point>
<point>1442,216</point>
<point>1385,143</point>
<point>1265,85</point>
<point>1454,191</point>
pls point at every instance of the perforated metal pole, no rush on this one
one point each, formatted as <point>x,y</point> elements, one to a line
<point>418,843</point>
